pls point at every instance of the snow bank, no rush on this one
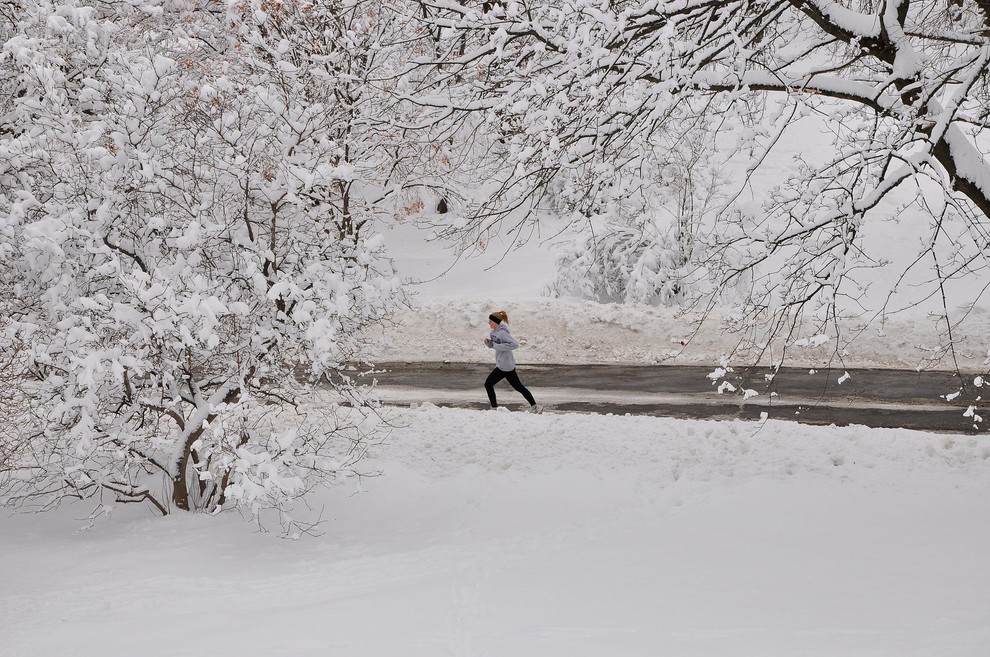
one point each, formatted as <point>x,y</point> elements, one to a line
<point>558,331</point>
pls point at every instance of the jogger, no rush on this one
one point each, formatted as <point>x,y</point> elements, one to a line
<point>505,364</point>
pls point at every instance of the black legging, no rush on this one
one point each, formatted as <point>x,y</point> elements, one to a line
<point>513,379</point>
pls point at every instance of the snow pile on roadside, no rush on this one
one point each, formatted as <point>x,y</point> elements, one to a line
<point>512,534</point>
<point>557,331</point>
<point>437,442</point>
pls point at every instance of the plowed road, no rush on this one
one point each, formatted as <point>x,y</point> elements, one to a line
<point>875,398</point>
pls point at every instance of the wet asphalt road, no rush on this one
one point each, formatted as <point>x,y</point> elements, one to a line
<point>874,398</point>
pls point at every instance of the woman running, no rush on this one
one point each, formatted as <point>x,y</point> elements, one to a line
<point>505,363</point>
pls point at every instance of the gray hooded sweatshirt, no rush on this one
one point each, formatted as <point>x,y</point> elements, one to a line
<point>503,344</point>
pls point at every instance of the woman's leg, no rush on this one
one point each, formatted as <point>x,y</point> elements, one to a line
<point>514,381</point>
<point>493,378</point>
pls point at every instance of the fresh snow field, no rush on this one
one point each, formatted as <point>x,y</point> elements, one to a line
<point>503,533</point>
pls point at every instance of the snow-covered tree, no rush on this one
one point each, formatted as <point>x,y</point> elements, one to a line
<point>640,244</point>
<point>188,241</point>
<point>343,59</point>
<point>577,90</point>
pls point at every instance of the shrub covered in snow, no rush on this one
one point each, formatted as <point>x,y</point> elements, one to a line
<point>622,265</point>
<point>183,254</point>
<point>642,243</point>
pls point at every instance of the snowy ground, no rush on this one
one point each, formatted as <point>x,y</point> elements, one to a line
<point>500,533</point>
